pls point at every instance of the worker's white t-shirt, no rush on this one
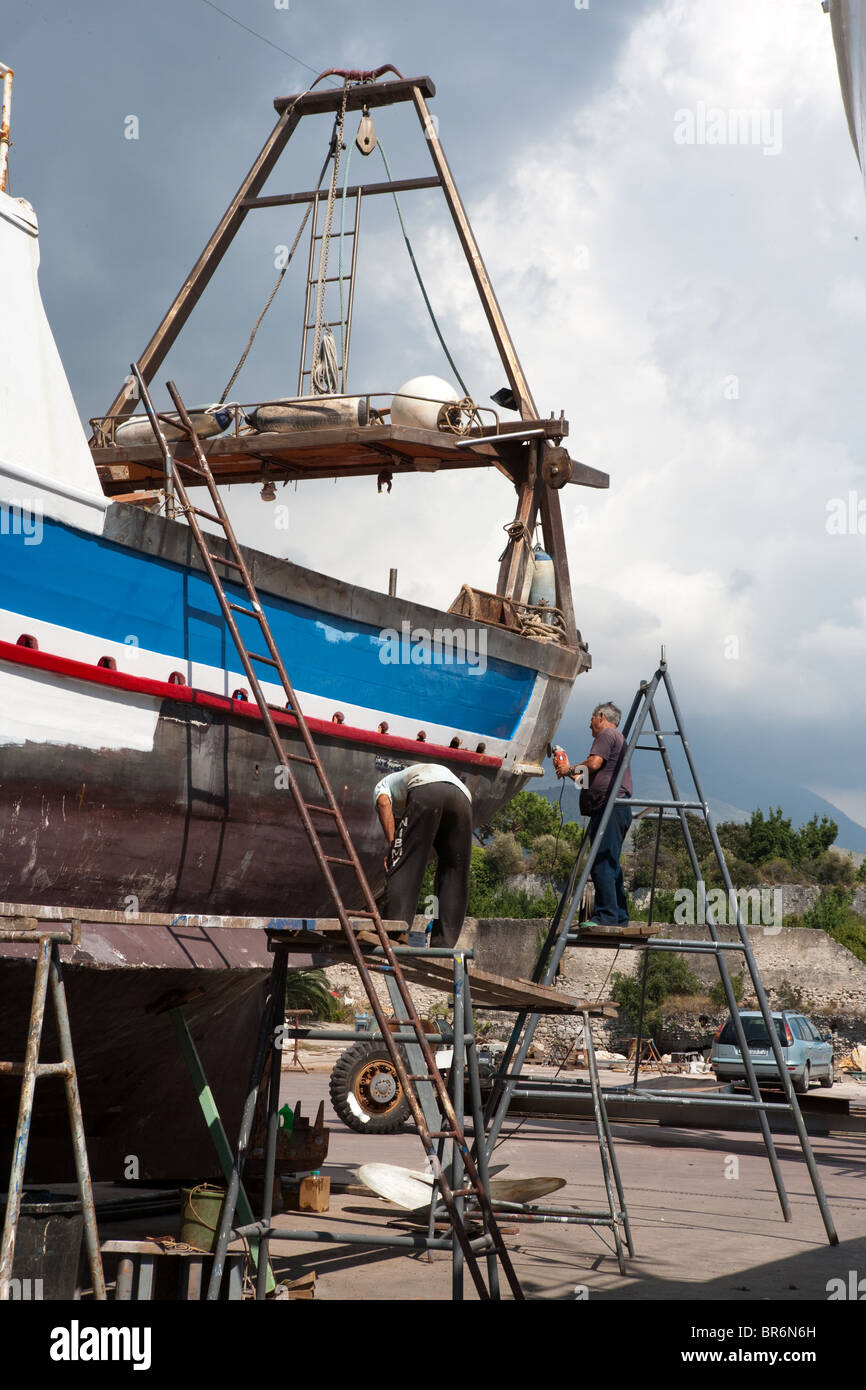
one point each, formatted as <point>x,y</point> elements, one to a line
<point>397,785</point>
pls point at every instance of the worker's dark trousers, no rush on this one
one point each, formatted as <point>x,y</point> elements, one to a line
<point>438,817</point>
<point>610,902</point>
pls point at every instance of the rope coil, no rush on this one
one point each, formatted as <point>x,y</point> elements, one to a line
<point>542,622</point>
<point>516,531</point>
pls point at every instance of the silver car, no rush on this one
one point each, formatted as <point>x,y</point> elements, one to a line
<point>808,1057</point>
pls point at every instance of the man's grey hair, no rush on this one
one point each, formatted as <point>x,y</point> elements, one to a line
<point>608,711</point>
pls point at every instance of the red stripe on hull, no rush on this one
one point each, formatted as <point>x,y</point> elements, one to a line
<point>246,709</point>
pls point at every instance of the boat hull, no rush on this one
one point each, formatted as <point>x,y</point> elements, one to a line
<point>200,822</point>
<point>132,781</point>
<point>131,771</point>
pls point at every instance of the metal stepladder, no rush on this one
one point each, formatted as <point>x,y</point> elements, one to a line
<point>366,916</point>
<point>49,974</point>
<point>643,717</point>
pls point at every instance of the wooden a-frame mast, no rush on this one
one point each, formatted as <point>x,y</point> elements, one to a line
<point>535,498</point>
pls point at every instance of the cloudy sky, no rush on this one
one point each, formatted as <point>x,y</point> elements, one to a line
<point>690,290</point>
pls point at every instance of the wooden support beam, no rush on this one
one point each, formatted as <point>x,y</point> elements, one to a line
<point>513,565</point>
<point>367,190</point>
<point>507,352</point>
<point>554,541</point>
<point>370,94</point>
<point>528,496</point>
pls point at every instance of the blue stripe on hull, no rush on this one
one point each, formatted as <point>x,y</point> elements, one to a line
<point>108,590</point>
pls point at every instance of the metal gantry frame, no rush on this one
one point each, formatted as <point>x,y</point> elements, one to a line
<point>643,716</point>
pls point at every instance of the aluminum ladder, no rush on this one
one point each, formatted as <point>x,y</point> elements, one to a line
<point>643,718</point>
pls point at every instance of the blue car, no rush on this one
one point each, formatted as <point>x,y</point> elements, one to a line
<point>808,1057</point>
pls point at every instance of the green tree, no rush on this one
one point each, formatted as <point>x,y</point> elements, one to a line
<point>815,838</point>
<point>766,847</point>
<point>717,991</point>
<point>504,854</point>
<point>552,855</point>
<point>837,869</point>
<point>527,816</point>
<point>734,839</point>
<point>667,974</point>
<point>776,871</point>
<point>852,935</point>
<point>489,897</point>
<point>743,874</point>
<point>832,909</point>
<point>309,989</point>
<point>664,905</point>
<point>483,884</point>
<point>771,838</point>
<point>572,834</point>
<point>488,894</point>
<point>833,913</point>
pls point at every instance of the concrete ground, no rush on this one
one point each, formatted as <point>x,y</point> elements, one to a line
<point>704,1214</point>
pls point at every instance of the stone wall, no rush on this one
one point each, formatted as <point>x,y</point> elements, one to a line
<point>831,981</point>
<point>504,946</point>
<point>830,978</point>
<point>796,898</point>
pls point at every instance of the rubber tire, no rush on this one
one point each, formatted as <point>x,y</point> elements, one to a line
<point>802,1086</point>
<point>827,1081</point>
<point>342,1084</point>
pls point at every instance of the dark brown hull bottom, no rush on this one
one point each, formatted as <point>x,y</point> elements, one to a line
<point>141,1113</point>
<point>194,824</point>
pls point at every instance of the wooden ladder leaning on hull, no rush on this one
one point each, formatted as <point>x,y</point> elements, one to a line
<point>331,815</point>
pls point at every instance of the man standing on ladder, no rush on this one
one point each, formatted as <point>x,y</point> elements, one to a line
<point>422,808</point>
<point>602,764</point>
